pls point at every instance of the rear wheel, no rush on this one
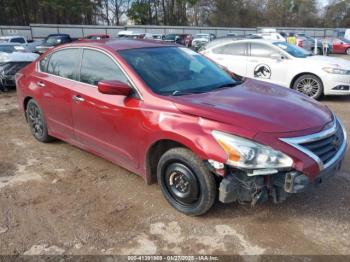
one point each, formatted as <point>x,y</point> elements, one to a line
<point>348,51</point>
<point>37,123</point>
<point>309,85</point>
<point>186,182</point>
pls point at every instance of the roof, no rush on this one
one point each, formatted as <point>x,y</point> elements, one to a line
<point>123,44</point>
<point>10,36</point>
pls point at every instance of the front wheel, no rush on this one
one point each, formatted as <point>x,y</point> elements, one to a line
<point>186,182</point>
<point>348,51</point>
<point>309,85</point>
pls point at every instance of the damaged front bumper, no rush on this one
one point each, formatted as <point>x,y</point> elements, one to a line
<point>238,186</point>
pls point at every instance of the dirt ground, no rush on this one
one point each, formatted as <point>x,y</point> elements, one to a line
<point>57,199</point>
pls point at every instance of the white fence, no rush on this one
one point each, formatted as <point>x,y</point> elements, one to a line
<point>39,31</point>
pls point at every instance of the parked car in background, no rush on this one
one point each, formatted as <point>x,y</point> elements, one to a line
<point>200,40</point>
<point>13,57</point>
<point>181,39</point>
<point>13,39</point>
<point>271,36</point>
<point>308,43</point>
<point>95,37</point>
<point>158,37</point>
<point>341,46</point>
<point>52,41</point>
<point>285,65</point>
<point>170,115</point>
<point>131,34</point>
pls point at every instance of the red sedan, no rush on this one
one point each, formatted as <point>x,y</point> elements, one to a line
<point>172,116</point>
<point>341,46</point>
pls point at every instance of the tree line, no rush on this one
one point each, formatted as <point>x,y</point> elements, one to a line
<point>224,13</point>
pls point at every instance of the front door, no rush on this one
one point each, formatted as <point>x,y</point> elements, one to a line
<point>104,123</point>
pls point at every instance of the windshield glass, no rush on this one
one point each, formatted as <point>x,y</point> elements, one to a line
<point>7,48</point>
<point>176,71</point>
<point>293,50</point>
<point>52,40</point>
<point>201,36</point>
<point>170,37</point>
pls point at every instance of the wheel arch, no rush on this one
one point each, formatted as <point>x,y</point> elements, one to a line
<point>154,153</point>
<point>25,103</point>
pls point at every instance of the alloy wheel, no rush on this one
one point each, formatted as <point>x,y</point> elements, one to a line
<point>35,120</point>
<point>309,87</point>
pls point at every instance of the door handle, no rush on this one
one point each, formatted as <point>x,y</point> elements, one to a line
<point>40,84</point>
<point>78,99</point>
<point>253,61</point>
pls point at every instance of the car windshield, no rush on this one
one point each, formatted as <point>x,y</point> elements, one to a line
<point>170,37</point>
<point>176,71</point>
<point>7,48</point>
<point>51,40</point>
<point>293,50</point>
<point>202,36</point>
<point>345,40</point>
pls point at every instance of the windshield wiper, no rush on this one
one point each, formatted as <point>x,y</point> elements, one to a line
<point>228,85</point>
<point>181,93</point>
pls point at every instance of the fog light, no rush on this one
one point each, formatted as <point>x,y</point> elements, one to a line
<point>342,88</point>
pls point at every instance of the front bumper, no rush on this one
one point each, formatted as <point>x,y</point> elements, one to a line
<point>333,84</point>
<point>239,186</point>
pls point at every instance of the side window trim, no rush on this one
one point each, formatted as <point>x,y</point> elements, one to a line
<point>132,84</point>
<point>49,56</point>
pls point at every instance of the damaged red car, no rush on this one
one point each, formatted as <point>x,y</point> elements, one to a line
<point>174,117</point>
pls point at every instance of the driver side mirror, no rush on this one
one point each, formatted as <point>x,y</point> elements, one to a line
<point>113,87</point>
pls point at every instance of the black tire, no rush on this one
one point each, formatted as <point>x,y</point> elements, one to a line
<point>348,51</point>
<point>36,122</point>
<point>197,194</point>
<point>309,85</point>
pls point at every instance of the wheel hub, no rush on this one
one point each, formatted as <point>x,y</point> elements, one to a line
<point>181,184</point>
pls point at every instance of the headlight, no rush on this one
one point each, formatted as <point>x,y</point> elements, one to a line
<point>338,71</point>
<point>247,154</point>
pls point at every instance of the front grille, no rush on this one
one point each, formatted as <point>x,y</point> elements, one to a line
<point>326,147</point>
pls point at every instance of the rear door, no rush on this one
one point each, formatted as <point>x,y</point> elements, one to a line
<point>262,66</point>
<point>104,123</point>
<point>233,56</point>
<point>55,79</point>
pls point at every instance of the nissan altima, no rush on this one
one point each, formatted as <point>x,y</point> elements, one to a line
<point>174,117</point>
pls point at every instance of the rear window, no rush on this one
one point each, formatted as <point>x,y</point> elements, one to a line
<point>64,63</point>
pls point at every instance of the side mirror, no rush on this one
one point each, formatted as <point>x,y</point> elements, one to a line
<point>113,87</point>
<point>277,57</point>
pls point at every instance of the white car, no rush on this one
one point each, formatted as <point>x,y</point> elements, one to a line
<point>283,64</point>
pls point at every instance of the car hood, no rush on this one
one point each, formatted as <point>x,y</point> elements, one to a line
<point>17,57</point>
<point>329,61</point>
<point>257,106</point>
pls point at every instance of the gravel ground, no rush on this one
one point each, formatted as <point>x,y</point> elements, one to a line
<point>58,199</point>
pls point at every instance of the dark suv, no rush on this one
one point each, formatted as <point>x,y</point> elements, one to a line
<point>51,41</point>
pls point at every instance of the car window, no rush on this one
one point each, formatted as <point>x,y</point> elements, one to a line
<point>261,50</point>
<point>7,48</point>
<point>17,40</point>
<point>97,66</point>
<point>176,71</point>
<point>43,64</point>
<point>64,63</point>
<point>232,49</point>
